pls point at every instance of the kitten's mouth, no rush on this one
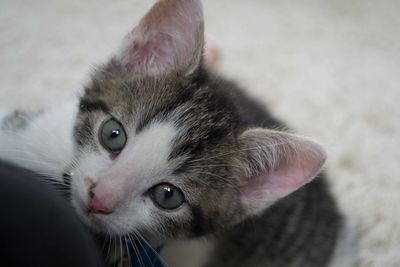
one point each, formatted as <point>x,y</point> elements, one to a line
<point>102,223</point>
<point>98,222</point>
<point>93,215</point>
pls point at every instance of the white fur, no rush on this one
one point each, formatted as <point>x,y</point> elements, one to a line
<point>331,68</point>
<point>45,146</point>
<point>145,156</point>
<point>121,182</point>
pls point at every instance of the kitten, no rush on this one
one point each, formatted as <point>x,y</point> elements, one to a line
<point>159,146</point>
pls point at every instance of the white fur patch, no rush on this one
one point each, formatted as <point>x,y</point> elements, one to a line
<point>150,149</point>
<point>121,182</point>
<point>45,145</point>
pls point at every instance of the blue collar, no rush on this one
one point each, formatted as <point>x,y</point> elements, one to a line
<point>143,255</point>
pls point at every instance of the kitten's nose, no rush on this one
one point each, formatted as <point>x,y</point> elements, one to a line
<point>96,205</point>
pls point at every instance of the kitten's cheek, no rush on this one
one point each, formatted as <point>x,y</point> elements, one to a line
<point>79,200</point>
<point>78,206</point>
<point>88,219</point>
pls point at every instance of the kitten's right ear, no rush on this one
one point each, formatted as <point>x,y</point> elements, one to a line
<point>168,38</point>
<point>273,164</point>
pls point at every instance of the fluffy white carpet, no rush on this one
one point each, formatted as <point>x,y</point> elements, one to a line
<point>330,68</point>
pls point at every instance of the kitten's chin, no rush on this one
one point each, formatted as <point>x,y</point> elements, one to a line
<point>102,226</point>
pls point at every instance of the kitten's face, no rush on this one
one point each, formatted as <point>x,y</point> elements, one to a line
<point>169,166</point>
<point>159,146</point>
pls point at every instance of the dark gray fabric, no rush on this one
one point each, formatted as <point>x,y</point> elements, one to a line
<point>38,227</point>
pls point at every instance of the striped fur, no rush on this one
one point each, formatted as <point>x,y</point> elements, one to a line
<point>299,230</point>
<point>201,133</point>
<point>210,152</point>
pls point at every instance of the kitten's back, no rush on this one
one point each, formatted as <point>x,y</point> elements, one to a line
<point>299,230</point>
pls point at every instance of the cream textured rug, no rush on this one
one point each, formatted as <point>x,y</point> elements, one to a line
<point>329,68</point>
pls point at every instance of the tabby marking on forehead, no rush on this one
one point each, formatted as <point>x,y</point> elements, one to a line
<point>93,105</point>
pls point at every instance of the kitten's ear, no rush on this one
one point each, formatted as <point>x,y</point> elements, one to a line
<point>273,165</point>
<point>168,38</point>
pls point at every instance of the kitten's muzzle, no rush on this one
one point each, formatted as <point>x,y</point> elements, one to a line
<point>96,205</point>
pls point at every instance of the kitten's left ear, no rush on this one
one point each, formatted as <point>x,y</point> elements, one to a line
<point>168,38</point>
<point>274,164</point>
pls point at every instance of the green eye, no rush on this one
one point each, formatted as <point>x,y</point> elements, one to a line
<point>113,136</point>
<point>167,196</point>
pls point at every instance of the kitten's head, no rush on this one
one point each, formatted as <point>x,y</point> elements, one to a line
<point>161,148</point>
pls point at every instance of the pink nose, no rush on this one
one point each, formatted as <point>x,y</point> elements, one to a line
<point>96,205</point>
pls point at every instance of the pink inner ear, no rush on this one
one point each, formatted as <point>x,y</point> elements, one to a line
<point>297,162</point>
<point>266,188</point>
<point>147,51</point>
<point>169,37</point>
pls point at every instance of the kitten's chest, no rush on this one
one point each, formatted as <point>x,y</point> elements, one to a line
<point>40,141</point>
<point>193,253</point>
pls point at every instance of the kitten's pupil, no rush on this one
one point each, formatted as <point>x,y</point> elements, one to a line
<point>168,192</point>
<point>114,134</point>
